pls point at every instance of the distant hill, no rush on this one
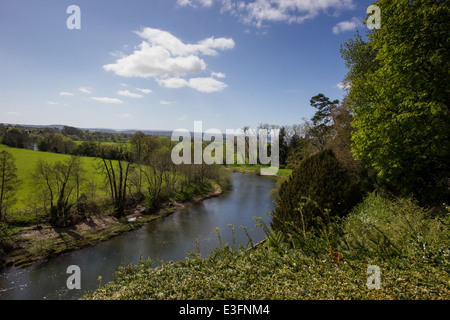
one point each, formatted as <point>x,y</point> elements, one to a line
<point>108,130</point>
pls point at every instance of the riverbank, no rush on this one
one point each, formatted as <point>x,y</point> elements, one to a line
<point>255,170</point>
<point>333,264</point>
<point>43,241</point>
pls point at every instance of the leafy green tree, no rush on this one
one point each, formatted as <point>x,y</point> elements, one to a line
<point>322,123</point>
<point>16,137</point>
<point>87,149</point>
<point>56,142</point>
<point>399,95</point>
<point>299,149</point>
<point>320,183</point>
<point>8,181</point>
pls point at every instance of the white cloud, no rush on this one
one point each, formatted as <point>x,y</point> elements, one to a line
<point>66,94</point>
<point>173,83</point>
<point>165,102</point>
<point>127,93</point>
<point>153,61</point>
<point>13,113</point>
<point>53,103</point>
<point>166,58</point>
<point>145,91</point>
<point>207,85</point>
<point>256,12</point>
<point>343,85</point>
<point>85,90</point>
<point>345,26</point>
<point>218,75</point>
<point>107,100</point>
<point>195,3</point>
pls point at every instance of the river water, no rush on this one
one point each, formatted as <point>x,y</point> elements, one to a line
<point>169,239</point>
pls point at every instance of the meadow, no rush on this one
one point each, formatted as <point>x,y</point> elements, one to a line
<point>26,160</point>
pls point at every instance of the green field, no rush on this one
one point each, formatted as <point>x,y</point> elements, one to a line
<point>27,197</point>
<point>256,169</point>
<point>26,161</point>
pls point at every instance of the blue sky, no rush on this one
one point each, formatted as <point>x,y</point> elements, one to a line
<point>163,64</point>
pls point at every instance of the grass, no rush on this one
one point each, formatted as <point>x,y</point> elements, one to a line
<point>26,160</point>
<point>256,169</point>
<point>29,237</point>
<point>297,267</point>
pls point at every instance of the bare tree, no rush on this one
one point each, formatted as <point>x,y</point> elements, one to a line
<point>115,163</point>
<point>156,172</point>
<point>59,180</point>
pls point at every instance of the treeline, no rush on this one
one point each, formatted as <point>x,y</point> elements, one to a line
<point>140,171</point>
<point>57,140</point>
<point>330,127</point>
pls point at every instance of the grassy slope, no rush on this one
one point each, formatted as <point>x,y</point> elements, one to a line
<point>267,274</point>
<point>45,244</point>
<point>25,163</point>
<point>305,269</point>
<point>256,169</point>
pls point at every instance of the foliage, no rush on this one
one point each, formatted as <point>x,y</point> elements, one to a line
<point>389,227</point>
<point>319,183</point>
<point>322,120</point>
<point>59,180</point>
<point>8,181</point>
<point>87,149</point>
<point>16,137</point>
<point>323,265</point>
<point>299,150</point>
<point>56,142</point>
<point>400,96</point>
<point>114,162</point>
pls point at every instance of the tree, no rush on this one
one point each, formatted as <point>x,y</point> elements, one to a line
<point>156,171</point>
<point>59,180</point>
<point>16,137</point>
<point>299,150</point>
<point>340,141</point>
<point>399,95</point>
<point>115,163</point>
<point>142,147</point>
<point>318,184</point>
<point>321,127</point>
<point>283,146</point>
<point>87,149</point>
<point>56,142</point>
<point>8,181</point>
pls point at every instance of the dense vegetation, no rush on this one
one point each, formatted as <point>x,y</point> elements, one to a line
<point>386,233</point>
<point>400,97</point>
<point>369,184</point>
<point>320,183</point>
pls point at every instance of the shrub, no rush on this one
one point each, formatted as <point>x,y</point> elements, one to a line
<point>397,227</point>
<point>320,184</point>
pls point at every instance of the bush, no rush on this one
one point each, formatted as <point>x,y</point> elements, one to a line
<point>397,227</point>
<point>320,184</point>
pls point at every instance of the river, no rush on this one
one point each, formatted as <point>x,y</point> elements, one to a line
<point>169,239</point>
